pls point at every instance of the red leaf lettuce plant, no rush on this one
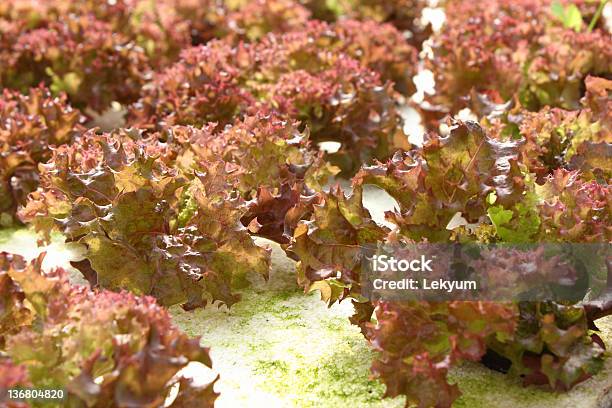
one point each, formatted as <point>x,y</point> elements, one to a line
<point>167,215</point>
<point>322,76</point>
<point>102,348</point>
<point>146,227</point>
<point>503,182</point>
<point>505,48</point>
<point>30,125</point>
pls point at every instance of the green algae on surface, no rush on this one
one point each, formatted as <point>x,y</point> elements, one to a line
<point>278,347</point>
<point>265,354</point>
